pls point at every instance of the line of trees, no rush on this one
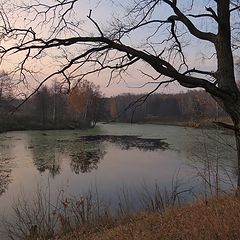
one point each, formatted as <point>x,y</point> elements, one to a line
<point>51,108</point>
<point>194,107</point>
<point>83,106</point>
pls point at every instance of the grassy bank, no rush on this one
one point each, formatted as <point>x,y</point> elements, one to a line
<point>89,218</point>
<point>17,123</point>
<point>212,219</point>
<point>208,123</point>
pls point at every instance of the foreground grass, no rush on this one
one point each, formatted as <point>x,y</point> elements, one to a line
<point>212,219</point>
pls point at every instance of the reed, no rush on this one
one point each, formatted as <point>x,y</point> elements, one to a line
<point>42,217</point>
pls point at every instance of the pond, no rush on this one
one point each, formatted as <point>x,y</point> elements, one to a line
<point>112,156</point>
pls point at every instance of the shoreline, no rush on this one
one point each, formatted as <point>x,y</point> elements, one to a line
<point>209,124</point>
<point>214,218</point>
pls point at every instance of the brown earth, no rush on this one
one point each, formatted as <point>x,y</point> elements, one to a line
<point>206,220</point>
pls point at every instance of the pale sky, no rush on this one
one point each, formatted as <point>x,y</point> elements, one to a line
<point>103,11</point>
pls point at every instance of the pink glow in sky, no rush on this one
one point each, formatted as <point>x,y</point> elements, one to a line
<point>197,52</point>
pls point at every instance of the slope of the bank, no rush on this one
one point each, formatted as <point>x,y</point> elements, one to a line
<point>213,219</point>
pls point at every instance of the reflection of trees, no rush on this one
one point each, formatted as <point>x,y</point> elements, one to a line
<point>5,168</point>
<point>45,153</point>
<point>86,161</point>
<point>84,155</point>
<point>5,172</point>
<point>48,152</point>
<point>127,142</point>
<point>85,152</point>
<point>52,166</point>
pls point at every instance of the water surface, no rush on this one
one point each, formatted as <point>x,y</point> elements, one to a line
<point>109,157</point>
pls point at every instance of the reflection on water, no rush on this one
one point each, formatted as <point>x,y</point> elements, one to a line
<point>5,173</point>
<point>5,165</point>
<point>45,154</point>
<point>127,142</point>
<point>85,152</point>
<point>84,156</point>
<point>54,152</point>
<point>110,155</point>
<point>84,160</point>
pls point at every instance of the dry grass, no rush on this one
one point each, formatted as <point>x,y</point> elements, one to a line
<point>214,219</point>
<point>40,217</point>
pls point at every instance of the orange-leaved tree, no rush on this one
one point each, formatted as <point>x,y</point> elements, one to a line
<point>84,98</point>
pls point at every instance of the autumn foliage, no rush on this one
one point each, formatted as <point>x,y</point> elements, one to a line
<point>83,98</point>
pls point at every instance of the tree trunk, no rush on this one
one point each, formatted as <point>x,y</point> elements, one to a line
<point>225,74</point>
<point>233,109</point>
<point>226,77</point>
<point>237,137</point>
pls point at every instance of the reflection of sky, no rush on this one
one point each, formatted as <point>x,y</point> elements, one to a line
<point>115,168</point>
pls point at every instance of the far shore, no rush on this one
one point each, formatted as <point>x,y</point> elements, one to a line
<point>202,124</point>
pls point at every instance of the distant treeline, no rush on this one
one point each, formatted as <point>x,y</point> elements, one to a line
<point>83,106</point>
<point>192,107</point>
<point>50,108</point>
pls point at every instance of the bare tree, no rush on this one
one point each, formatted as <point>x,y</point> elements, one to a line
<point>169,29</point>
<point>42,102</point>
<point>5,86</point>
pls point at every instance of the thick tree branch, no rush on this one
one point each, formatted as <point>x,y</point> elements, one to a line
<point>101,44</point>
<point>215,16</point>
<point>160,65</point>
<point>190,26</point>
<point>212,74</point>
<point>209,9</point>
<point>201,15</point>
<point>225,125</point>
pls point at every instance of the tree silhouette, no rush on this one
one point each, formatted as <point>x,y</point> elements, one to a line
<point>168,28</point>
